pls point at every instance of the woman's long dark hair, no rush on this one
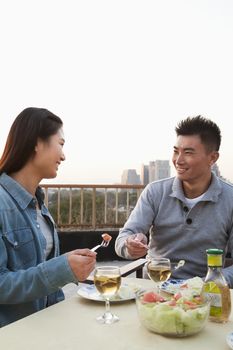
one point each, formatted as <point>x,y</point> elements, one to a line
<point>30,125</point>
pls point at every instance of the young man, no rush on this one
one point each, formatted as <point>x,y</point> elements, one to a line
<point>186,214</point>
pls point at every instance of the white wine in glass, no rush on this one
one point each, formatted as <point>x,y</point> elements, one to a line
<point>107,281</point>
<point>159,269</point>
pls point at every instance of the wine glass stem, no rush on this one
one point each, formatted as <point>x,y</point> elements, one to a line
<point>107,305</point>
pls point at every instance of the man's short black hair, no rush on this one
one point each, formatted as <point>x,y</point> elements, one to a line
<point>206,129</point>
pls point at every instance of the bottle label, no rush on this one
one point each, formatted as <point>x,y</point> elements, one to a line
<point>213,291</point>
<point>216,299</point>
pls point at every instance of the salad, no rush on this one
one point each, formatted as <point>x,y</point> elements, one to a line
<point>190,287</point>
<point>177,315</point>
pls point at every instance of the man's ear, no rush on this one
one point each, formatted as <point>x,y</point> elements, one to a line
<point>214,157</point>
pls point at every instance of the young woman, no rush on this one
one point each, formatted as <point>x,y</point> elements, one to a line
<point>31,270</point>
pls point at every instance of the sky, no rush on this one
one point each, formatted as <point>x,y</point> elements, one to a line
<point>120,74</point>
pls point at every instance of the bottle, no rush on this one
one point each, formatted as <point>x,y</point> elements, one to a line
<point>216,287</point>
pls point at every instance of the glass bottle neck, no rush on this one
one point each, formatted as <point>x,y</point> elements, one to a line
<point>216,268</point>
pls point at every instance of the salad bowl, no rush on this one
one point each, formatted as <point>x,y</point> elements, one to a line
<point>174,315</point>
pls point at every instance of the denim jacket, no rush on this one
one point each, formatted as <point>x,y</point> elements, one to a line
<point>28,282</point>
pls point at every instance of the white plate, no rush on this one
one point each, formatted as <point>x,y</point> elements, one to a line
<point>172,286</point>
<point>229,340</point>
<point>90,292</point>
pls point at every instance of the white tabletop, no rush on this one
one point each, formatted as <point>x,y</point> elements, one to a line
<point>71,325</point>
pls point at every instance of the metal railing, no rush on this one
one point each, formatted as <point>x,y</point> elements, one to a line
<point>90,207</point>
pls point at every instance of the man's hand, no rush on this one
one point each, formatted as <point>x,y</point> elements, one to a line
<point>136,245</point>
<point>82,262</point>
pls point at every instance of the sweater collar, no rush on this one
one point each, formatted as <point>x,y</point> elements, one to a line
<point>211,194</point>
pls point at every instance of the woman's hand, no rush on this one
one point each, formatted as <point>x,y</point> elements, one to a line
<point>82,262</point>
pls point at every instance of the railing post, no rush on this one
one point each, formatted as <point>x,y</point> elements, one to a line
<point>94,208</point>
<point>127,203</point>
<point>116,206</point>
<point>105,205</point>
<point>138,193</point>
<point>58,206</point>
<point>81,207</point>
<point>70,205</point>
<point>46,197</point>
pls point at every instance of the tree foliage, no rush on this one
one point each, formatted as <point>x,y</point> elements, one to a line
<point>76,207</point>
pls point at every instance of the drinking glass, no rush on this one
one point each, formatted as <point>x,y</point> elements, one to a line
<point>107,280</point>
<point>159,270</point>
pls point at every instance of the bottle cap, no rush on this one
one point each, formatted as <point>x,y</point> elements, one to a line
<point>214,257</point>
<point>214,251</point>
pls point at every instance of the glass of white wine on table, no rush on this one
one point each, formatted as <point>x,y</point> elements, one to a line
<point>107,280</point>
<point>159,270</point>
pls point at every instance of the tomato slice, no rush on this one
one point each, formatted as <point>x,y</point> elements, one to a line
<point>177,296</point>
<point>152,297</point>
<point>190,304</point>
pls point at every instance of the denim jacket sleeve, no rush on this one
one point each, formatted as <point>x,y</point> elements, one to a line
<point>20,284</point>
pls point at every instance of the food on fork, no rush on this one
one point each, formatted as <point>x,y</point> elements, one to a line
<point>106,237</point>
<point>105,242</point>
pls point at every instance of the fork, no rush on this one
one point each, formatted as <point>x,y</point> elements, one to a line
<point>102,244</point>
<point>180,264</point>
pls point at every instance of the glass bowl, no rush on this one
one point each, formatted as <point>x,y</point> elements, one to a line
<point>174,316</point>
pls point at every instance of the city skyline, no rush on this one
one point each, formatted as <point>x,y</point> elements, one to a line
<point>121,75</point>
<point>155,170</point>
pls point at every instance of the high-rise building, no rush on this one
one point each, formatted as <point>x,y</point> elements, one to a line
<point>145,174</point>
<point>130,177</point>
<point>151,171</point>
<point>162,169</point>
<point>156,170</point>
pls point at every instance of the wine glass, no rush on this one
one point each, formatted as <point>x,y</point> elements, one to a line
<point>107,280</point>
<point>159,270</point>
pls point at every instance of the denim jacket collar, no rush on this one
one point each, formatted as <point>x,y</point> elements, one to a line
<point>16,191</point>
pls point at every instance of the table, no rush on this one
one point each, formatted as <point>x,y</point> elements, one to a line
<point>71,325</point>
